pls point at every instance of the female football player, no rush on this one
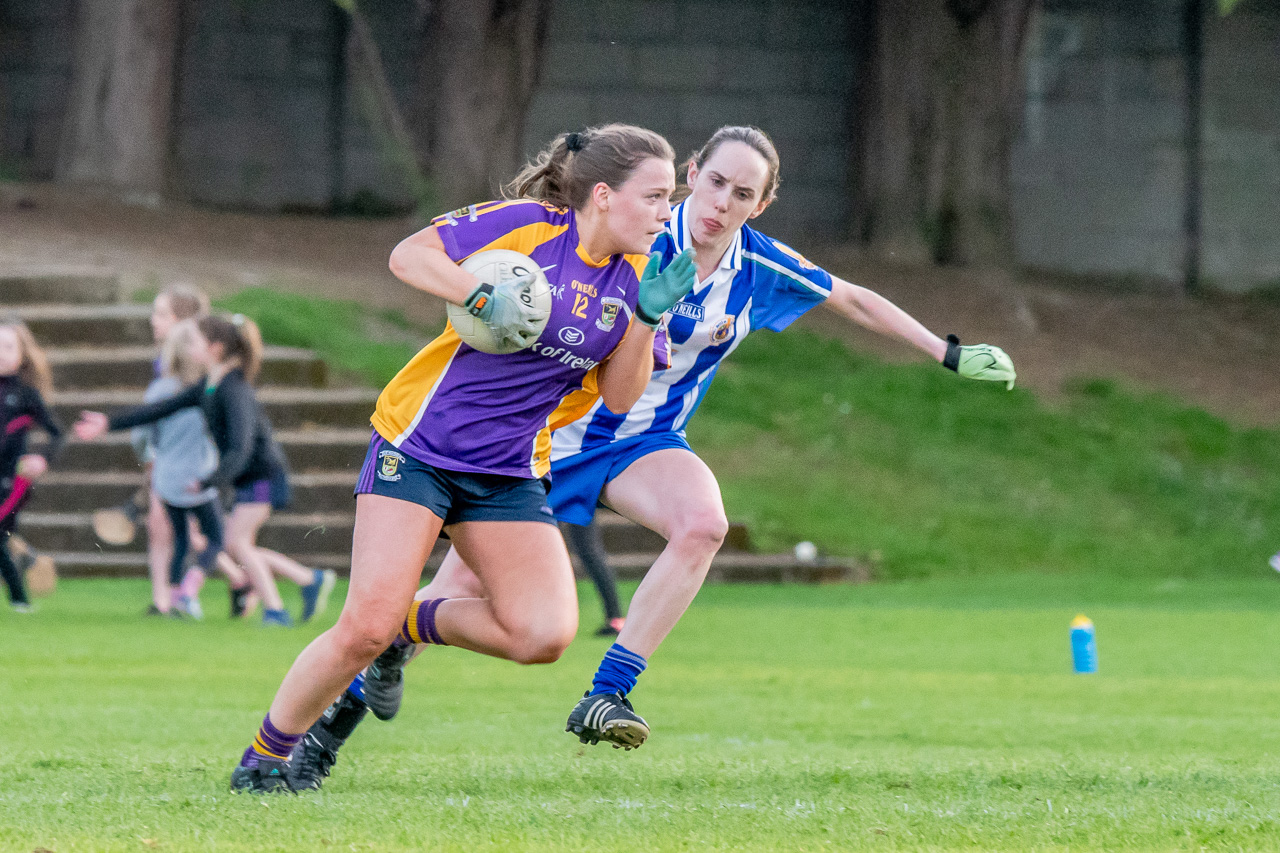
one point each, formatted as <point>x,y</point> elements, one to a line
<point>462,438</point>
<point>639,463</point>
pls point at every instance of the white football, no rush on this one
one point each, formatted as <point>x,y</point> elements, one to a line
<point>494,267</point>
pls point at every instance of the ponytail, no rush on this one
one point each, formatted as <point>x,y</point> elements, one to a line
<point>565,172</point>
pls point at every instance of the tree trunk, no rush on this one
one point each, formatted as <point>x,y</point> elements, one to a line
<point>117,129</point>
<point>474,85</point>
<point>938,117</point>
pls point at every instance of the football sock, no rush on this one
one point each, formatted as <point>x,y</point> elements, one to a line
<point>270,742</point>
<point>618,671</point>
<point>420,626</point>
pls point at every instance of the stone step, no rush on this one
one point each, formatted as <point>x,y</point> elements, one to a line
<point>61,491</point>
<point>88,325</point>
<point>80,286</point>
<point>308,450</point>
<point>755,568</point>
<point>286,532</point>
<point>288,408</point>
<point>133,367</point>
<point>726,568</point>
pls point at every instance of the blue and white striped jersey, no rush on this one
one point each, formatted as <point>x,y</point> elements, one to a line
<point>760,283</point>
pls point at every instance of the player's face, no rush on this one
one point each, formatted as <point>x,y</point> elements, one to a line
<point>728,190</point>
<point>10,351</point>
<point>201,352</point>
<point>162,318</point>
<point>641,206</point>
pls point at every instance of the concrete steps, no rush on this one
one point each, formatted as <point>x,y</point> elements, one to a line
<point>287,407</point>
<point>101,353</point>
<point>133,367</point>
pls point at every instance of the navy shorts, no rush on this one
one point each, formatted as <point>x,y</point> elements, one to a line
<point>453,496</point>
<point>274,491</point>
<point>578,480</point>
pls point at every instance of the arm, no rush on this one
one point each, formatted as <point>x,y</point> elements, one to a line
<point>152,412</point>
<point>872,311</point>
<point>626,373</point>
<point>420,261</point>
<point>50,424</point>
<point>236,445</point>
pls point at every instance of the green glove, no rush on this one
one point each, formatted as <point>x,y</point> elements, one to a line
<point>982,361</point>
<point>508,310</point>
<point>660,290</point>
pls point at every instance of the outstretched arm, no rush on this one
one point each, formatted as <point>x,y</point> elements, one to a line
<point>872,311</point>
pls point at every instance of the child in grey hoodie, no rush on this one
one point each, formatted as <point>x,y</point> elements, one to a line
<point>184,456</point>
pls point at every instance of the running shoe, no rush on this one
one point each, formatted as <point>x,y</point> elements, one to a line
<point>312,758</point>
<point>384,681</point>
<point>612,628</point>
<point>265,776</point>
<point>315,595</point>
<point>22,607</point>
<point>1275,562</point>
<point>239,598</point>
<point>278,618</point>
<point>189,605</point>
<point>608,717</point>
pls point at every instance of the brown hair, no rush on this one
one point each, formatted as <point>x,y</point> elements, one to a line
<point>186,300</point>
<point>33,369</point>
<point>175,353</point>
<point>757,139</point>
<point>239,337</point>
<point>566,171</point>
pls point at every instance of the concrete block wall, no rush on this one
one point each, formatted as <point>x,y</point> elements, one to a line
<point>1099,168</point>
<point>35,69</point>
<point>687,68</point>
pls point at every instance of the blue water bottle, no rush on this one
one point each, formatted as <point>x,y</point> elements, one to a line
<point>1084,648</point>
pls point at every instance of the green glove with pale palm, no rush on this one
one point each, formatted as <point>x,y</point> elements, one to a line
<point>981,361</point>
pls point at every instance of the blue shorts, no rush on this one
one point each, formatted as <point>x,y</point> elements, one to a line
<point>453,496</point>
<point>274,491</point>
<point>577,481</point>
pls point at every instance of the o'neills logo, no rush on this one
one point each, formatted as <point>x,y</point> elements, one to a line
<point>687,309</point>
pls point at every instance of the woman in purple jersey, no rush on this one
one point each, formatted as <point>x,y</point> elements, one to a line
<point>655,479</point>
<point>462,438</point>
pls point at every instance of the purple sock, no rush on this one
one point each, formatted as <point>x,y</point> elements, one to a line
<point>420,626</point>
<point>270,742</point>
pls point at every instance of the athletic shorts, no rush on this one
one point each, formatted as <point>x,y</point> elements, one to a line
<point>578,480</point>
<point>453,496</point>
<point>274,490</point>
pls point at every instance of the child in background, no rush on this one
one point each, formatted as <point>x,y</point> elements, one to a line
<point>182,457</point>
<point>250,460</point>
<point>24,381</point>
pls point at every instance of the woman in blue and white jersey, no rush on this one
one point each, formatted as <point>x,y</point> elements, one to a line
<point>640,464</point>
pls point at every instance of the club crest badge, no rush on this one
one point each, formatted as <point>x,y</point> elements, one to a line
<point>610,308</point>
<point>723,330</point>
<point>389,465</point>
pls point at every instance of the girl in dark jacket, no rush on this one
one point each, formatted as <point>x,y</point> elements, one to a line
<point>250,461</point>
<point>24,382</point>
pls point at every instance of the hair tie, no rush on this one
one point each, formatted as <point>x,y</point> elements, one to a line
<point>575,141</point>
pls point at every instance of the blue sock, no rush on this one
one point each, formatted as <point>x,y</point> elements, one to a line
<point>618,671</point>
<point>357,686</point>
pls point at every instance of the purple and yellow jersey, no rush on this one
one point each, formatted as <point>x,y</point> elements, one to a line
<point>464,410</point>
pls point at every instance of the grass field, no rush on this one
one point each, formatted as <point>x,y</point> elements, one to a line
<point>919,715</point>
